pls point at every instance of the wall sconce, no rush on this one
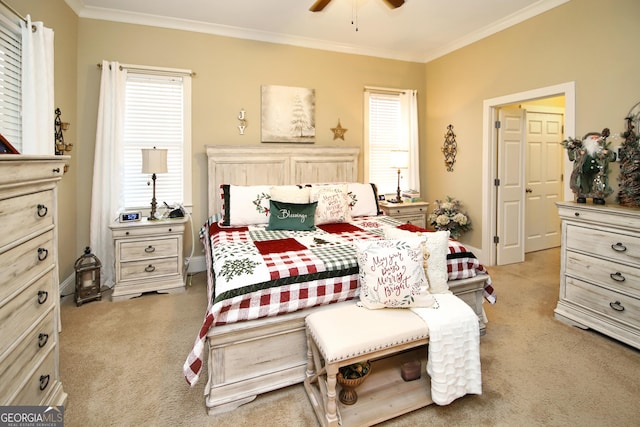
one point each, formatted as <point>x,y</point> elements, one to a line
<point>243,122</point>
<point>450,148</point>
<point>60,126</point>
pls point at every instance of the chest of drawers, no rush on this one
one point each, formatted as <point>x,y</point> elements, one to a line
<point>29,285</point>
<point>600,270</point>
<point>411,213</point>
<point>149,257</point>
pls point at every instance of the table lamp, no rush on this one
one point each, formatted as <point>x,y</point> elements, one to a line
<point>154,160</point>
<point>399,160</point>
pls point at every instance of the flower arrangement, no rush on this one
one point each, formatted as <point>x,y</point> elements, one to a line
<point>448,215</point>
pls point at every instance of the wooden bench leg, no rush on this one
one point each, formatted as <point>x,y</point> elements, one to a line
<point>331,406</point>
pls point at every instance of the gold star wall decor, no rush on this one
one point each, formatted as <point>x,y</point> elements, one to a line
<point>338,131</point>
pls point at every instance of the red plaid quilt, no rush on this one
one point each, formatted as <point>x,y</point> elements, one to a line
<point>254,273</point>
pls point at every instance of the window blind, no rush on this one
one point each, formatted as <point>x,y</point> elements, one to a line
<point>384,135</point>
<point>10,78</point>
<point>154,117</point>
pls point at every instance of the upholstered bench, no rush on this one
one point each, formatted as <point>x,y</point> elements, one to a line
<point>347,334</point>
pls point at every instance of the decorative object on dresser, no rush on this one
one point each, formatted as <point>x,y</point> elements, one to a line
<point>600,270</point>
<point>590,156</point>
<point>29,283</point>
<point>448,215</point>
<point>411,213</point>
<point>399,160</point>
<point>449,148</point>
<point>148,257</point>
<point>154,160</point>
<point>629,152</point>
<point>6,147</point>
<point>87,278</point>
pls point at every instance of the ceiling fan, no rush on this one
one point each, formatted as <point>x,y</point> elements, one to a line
<point>320,4</point>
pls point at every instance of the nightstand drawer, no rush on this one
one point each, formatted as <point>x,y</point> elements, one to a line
<point>148,249</point>
<point>602,301</point>
<point>406,209</point>
<point>618,277</point>
<point>146,228</point>
<point>136,270</point>
<point>417,220</point>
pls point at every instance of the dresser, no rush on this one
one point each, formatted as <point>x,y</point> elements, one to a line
<point>29,282</point>
<point>600,269</point>
<point>148,257</point>
<point>410,213</point>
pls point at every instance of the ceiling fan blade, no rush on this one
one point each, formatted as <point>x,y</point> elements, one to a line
<point>319,5</point>
<point>394,3</point>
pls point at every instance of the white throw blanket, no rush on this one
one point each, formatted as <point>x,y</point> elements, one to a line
<point>454,349</point>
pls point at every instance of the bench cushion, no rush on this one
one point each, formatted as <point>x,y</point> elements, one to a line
<point>348,330</point>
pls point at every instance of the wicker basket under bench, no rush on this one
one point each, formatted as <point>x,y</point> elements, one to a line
<point>254,357</point>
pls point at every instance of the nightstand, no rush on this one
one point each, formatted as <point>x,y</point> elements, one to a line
<point>148,257</point>
<point>411,213</point>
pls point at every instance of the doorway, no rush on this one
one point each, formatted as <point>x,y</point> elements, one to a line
<point>491,112</point>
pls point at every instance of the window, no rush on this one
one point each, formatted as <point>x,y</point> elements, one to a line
<point>389,115</point>
<point>10,78</point>
<point>157,114</point>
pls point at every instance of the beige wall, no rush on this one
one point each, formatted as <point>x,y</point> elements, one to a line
<point>587,41</point>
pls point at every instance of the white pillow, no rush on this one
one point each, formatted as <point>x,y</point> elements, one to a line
<point>245,205</point>
<point>363,199</point>
<point>391,274</point>
<point>290,194</point>
<point>333,204</point>
<point>437,247</point>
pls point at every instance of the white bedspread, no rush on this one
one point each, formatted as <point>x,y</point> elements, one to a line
<point>454,349</point>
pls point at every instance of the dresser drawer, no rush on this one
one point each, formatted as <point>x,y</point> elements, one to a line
<point>604,302</point>
<point>148,249</point>
<point>136,270</point>
<point>19,313</point>
<point>40,383</point>
<point>25,356</point>
<point>620,247</point>
<point>24,215</point>
<point>618,277</point>
<point>25,262</point>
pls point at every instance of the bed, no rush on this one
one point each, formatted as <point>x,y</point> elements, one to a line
<point>253,335</point>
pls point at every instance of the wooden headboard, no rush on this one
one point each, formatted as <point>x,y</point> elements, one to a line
<point>276,164</point>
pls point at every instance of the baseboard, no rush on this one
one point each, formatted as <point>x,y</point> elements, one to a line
<point>197,264</point>
<point>68,286</point>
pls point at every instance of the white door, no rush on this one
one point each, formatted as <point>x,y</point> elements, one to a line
<point>510,210</point>
<point>543,180</point>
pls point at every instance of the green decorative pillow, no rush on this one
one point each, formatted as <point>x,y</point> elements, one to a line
<point>291,216</point>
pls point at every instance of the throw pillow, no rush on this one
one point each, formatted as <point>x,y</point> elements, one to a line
<point>290,194</point>
<point>245,205</point>
<point>436,247</point>
<point>333,204</point>
<point>391,274</point>
<point>291,216</point>
<point>363,199</point>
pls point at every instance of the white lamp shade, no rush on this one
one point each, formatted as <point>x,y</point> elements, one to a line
<point>154,160</point>
<point>399,159</point>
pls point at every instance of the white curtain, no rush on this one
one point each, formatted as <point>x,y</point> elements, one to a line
<point>106,197</point>
<point>409,108</point>
<point>37,89</point>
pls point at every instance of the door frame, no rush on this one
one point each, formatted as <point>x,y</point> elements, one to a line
<point>489,154</point>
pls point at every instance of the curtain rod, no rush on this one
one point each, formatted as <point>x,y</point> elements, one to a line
<point>175,71</point>
<point>15,12</point>
<point>383,90</point>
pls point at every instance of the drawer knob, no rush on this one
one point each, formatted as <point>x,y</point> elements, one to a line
<point>42,211</point>
<point>42,254</point>
<point>42,297</point>
<point>44,382</point>
<point>42,340</point>
<point>619,247</point>
<point>577,214</point>
<point>149,268</point>
<point>149,249</point>
<point>616,306</point>
<point>617,276</point>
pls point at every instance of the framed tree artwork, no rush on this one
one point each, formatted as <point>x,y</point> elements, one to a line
<point>288,114</point>
<point>6,147</point>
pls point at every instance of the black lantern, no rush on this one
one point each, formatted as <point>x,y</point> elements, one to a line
<point>87,277</point>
